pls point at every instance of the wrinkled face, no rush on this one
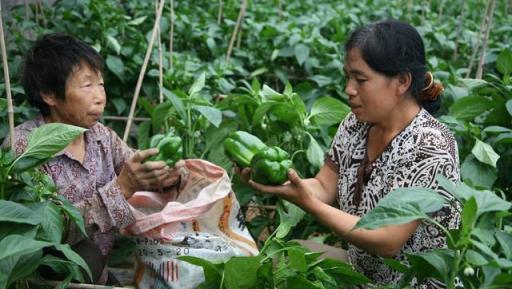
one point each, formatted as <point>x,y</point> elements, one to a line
<point>84,99</point>
<point>372,95</point>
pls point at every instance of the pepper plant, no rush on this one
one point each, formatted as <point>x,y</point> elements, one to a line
<point>32,214</point>
<point>479,253</point>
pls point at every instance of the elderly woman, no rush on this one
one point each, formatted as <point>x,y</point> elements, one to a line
<point>97,172</point>
<point>388,141</point>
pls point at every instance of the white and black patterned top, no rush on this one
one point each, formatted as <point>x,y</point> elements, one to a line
<point>414,157</point>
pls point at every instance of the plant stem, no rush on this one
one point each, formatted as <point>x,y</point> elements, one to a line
<point>171,36</point>
<point>489,18</point>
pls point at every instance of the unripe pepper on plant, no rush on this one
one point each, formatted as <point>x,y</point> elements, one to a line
<point>270,166</point>
<point>169,148</point>
<point>241,146</point>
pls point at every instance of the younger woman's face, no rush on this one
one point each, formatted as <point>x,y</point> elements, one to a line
<point>372,96</point>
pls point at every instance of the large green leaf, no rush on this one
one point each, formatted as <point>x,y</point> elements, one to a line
<point>485,153</point>
<point>177,103</point>
<point>73,257</point>
<point>52,224</point>
<point>212,272</point>
<point>343,272</point>
<point>23,266</point>
<point>314,153</point>
<point>17,213</point>
<point>114,44</point>
<point>478,174</point>
<point>297,260</point>
<point>509,106</point>
<point>47,140</point>
<point>436,263</point>
<point>72,212</point>
<point>241,272</point>
<point>504,62</point>
<point>3,104</point>
<point>289,216</point>
<point>487,201</point>
<point>17,245</point>
<point>62,267</point>
<point>505,240</point>
<point>301,53</point>
<point>212,114</point>
<point>467,108</point>
<point>115,64</point>
<point>198,84</point>
<point>328,111</point>
<point>401,206</point>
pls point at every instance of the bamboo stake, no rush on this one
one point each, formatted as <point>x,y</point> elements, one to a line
<point>239,38</point>
<point>235,31</point>
<point>160,61</point>
<point>10,110</point>
<point>440,13</point>
<point>43,16</point>
<point>489,16</point>
<point>171,36</point>
<point>479,38</point>
<point>143,71</point>
<point>221,8</point>
<point>124,118</point>
<point>458,31</point>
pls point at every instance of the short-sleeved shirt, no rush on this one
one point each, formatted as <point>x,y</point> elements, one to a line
<point>92,185</point>
<point>422,150</point>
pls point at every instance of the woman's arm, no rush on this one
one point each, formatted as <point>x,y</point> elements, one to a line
<point>315,196</point>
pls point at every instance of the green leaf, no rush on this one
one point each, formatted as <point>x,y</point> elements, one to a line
<point>114,44</point>
<point>478,174</point>
<point>23,266</point>
<point>143,134</point>
<point>509,106</point>
<point>314,153</point>
<point>343,272</point>
<point>212,114</point>
<point>15,245</point>
<point>487,201</point>
<point>301,53</point>
<point>472,83</point>
<point>241,272</point>
<point>3,104</point>
<point>62,267</point>
<point>198,84</point>
<point>119,104</point>
<point>212,272</point>
<point>497,129</point>
<point>505,240</point>
<point>74,257</point>
<point>297,260</point>
<point>436,263</point>
<point>468,217</point>
<point>290,215</point>
<point>467,108</point>
<point>47,140</point>
<point>177,103</point>
<point>328,111</point>
<point>72,212</point>
<point>485,153</point>
<point>321,80</point>
<point>474,258</point>
<point>52,224</point>
<point>17,213</point>
<point>504,62</point>
<point>115,65</point>
<point>401,206</point>
<point>137,21</point>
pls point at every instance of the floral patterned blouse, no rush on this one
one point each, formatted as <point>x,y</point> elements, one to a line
<point>92,185</point>
<point>414,157</point>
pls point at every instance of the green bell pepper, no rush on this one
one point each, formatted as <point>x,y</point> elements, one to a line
<point>270,166</point>
<point>169,148</point>
<point>241,146</point>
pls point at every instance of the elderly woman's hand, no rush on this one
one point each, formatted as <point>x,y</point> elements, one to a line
<point>139,175</point>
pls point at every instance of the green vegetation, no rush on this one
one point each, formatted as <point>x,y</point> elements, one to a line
<point>283,83</point>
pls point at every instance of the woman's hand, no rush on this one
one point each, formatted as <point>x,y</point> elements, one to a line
<point>294,190</point>
<point>139,175</point>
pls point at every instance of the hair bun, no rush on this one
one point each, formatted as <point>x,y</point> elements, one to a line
<point>432,89</point>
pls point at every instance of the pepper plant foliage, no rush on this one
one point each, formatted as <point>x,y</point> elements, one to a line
<point>32,215</point>
<point>479,253</point>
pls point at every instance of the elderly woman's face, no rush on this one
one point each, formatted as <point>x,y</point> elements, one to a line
<point>84,100</point>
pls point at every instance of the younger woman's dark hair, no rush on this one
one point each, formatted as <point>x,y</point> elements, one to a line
<point>392,47</point>
<point>49,63</point>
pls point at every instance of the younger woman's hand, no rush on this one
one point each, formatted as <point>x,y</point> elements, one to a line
<point>294,190</point>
